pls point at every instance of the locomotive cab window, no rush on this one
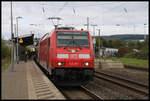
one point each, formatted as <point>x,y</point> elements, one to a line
<point>72,39</point>
<point>45,36</point>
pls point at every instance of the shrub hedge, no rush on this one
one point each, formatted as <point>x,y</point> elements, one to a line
<point>6,50</point>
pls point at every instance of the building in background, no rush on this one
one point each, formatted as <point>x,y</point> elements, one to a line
<point>108,52</point>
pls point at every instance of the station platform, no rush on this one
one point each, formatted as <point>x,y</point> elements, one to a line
<point>27,81</point>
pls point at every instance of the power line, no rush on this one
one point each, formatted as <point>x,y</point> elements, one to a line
<point>60,9</point>
<point>86,5</point>
<point>52,5</point>
<point>114,8</point>
<point>109,10</point>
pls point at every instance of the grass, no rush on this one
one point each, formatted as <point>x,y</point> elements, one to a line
<point>131,61</point>
<point>5,64</point>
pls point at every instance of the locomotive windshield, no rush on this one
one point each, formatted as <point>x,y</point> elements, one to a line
<point>72,39</point>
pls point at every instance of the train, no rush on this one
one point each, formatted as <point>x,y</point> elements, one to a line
<point>67,55</point>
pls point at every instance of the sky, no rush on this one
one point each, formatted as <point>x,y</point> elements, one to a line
<point>132,17</point>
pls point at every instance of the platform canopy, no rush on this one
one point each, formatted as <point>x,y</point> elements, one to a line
<point>25,40</point>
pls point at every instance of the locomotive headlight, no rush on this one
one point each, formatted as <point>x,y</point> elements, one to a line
<point>59,63</point>
<point>86,64</point>
<point>62,55</point>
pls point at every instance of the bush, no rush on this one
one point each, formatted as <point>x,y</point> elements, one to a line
<point>131,55</point>
<point>123,50</point>
<point>142,54</point>
<point>6,51</point>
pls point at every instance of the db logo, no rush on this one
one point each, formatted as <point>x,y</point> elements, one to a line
<point>73,56</point>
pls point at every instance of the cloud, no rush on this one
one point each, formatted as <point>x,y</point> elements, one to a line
<point>100,13</point>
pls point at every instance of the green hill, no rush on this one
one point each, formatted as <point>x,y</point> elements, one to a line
<point>126,37</point>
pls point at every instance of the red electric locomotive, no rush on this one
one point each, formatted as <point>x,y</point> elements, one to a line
<point>67,55</point>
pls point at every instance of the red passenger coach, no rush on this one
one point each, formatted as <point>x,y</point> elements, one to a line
<point>68,56</point>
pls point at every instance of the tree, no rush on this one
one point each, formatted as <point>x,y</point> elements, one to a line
<point>131,44</point>
<point>138,45</point>
<point>117,43</point>
<point>110,44</point>
<point>6,51</point>
<point>123,50</point>
<point>145,44</point>
<point>104,43</point>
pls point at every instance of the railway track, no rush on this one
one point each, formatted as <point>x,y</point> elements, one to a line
<point>80,92</point>
<point>136,68</point>
<point>129,84</point>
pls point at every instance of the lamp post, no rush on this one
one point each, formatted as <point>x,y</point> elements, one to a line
<point>87,23</point>
<point>99,40</point>
<point>12,49</point>
<point>134,28</point>
<point>94,36</point>
<point>15,43</point>
<point>145,31</point>
<point>17,39</point>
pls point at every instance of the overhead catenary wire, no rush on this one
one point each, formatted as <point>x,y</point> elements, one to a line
<point>57,18</point>
<point>44,15</point>
<point>110,10</point>
<point>103,12</point>
<point>84,5</point>
<point>114,8</point>
<point>74,11</point>
<point>57,5</point>
<point>60,9</point>
<point>77,10</point>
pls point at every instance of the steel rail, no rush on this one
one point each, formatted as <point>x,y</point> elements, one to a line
<point>124,79</point>
<point>93,95</point>
<point>80,89</point>
<point>122,82</point>
<point>88,92</point>
<point>136,68</point>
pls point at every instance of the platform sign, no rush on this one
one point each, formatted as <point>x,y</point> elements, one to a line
<point>26,40</point>
<point>20,41</point>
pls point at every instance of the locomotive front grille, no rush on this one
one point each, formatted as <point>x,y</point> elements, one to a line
<point>74,72</point>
